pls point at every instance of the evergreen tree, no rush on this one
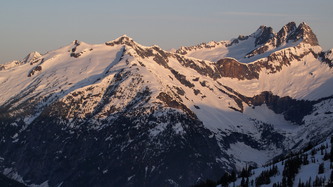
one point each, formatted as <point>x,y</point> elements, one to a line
<point>277,185</point>
<point>330,180</point>
<point>290,181</point>
<point>243,182</point>
<point>308,147</point>
<point>233,176</point>
<point>305,159</point>
<point>207,183</point>
<point>313,152</point>
<point>300,183</point>
<point>243,173</point>
<point>331,153</point>
<point>319,181</point>
<point>309,183</point>
<point>284,181</point>
<point>291,168</point>
<point>224,180</point>
<point>246,172</point>
<point>321,168</point>
<point>210,183</point>
<point>264,177</point>
<point>326,156</point>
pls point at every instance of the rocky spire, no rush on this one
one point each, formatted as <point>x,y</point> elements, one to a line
<point>263,34</point>
<point>291,33</point>
<point>305,33</point>
<point>31,57</point>
<point>283,34</point>
<point>124,40</point>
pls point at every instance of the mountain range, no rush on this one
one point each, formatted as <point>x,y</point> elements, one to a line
<point>124,114</point>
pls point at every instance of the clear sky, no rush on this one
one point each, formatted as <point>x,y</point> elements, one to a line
<point>44,25</point>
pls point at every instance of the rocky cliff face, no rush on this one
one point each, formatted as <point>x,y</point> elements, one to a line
<point>123,114</point>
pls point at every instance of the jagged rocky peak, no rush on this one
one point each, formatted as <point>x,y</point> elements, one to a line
<point>265,40</point>
<point>304,32</point>
<point>76,42</point>
<point>31,57</point>
<point>209,45</point>
<point>263,34</point>
<point>122,40</point>
<point>288,28</point>
<point>329,54</point>
<point>292,33</point>
<point>285,31</point>
<point>242,37</point>
<point>327,57</point>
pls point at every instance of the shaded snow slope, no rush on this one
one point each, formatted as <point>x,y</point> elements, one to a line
<point>307,172</point>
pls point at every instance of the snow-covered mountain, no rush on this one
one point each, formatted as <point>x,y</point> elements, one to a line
<point>259,44</point>
<point>123,114</point>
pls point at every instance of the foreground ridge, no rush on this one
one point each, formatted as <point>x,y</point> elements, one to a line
<point>309,167</point>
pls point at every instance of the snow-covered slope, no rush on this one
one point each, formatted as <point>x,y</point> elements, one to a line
<point>158,117</point>
<point>30,58</point>
<point>311,166</point>
<point>315,168</point>
<point>285,63</point>
<point>301,75</point>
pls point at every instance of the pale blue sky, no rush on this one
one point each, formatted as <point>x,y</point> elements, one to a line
<point>44,25</point>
